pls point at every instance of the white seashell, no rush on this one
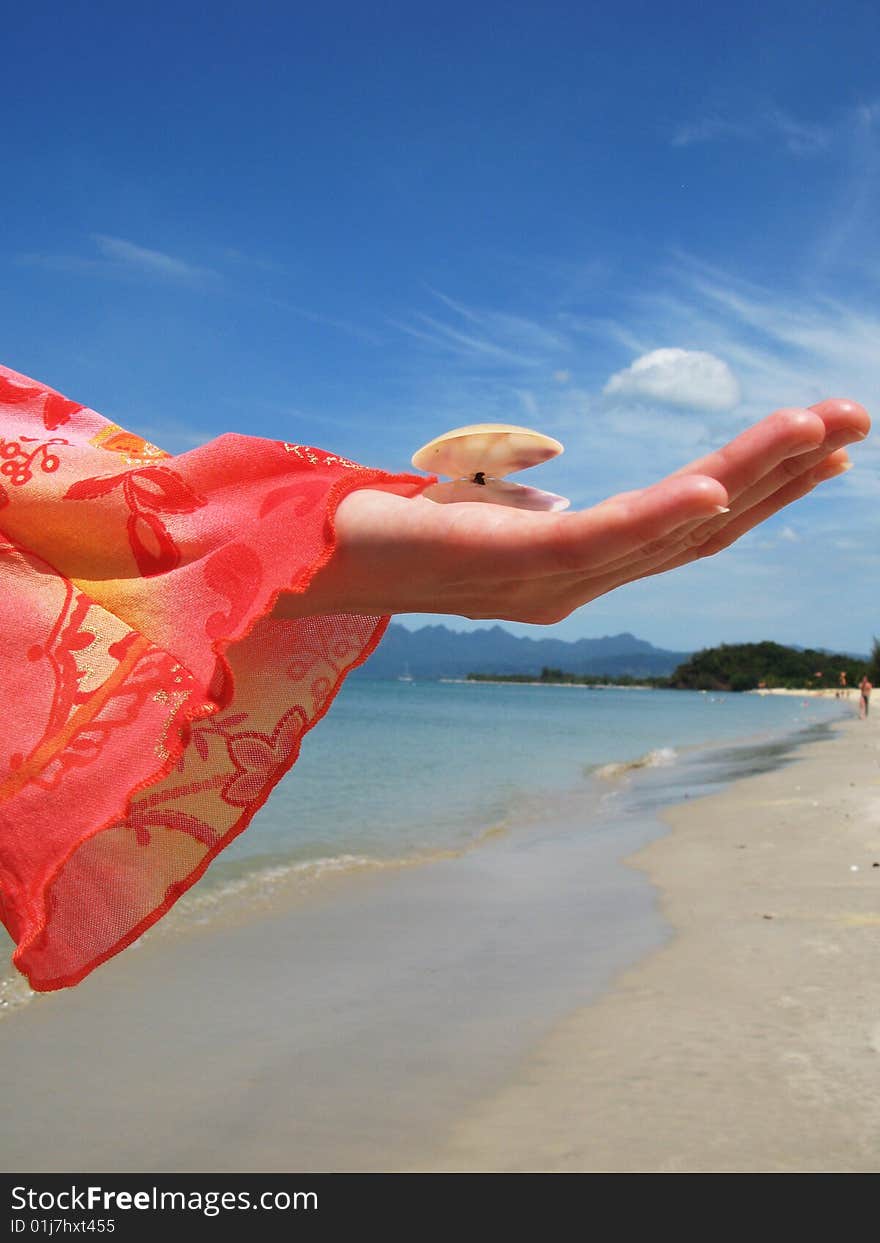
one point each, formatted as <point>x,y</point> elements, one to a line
<point>496,492</point>
<point>478,457</point>
<point>495,449</point>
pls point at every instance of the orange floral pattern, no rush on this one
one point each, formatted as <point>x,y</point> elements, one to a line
<point>150,701</point>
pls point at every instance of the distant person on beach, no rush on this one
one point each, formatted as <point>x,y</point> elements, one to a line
<point>174,625</point>
<point>865,689</point>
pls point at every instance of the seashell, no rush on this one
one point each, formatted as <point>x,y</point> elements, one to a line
<point>496,492</point>
<point>478,457</point>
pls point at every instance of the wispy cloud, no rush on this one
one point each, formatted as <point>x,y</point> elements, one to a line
<point>154,262</point>
<point>702,353</point>
<point>464,345</point>
<point>361,331</point>
<point>118,256</point>
<point>232,254</point>
<point>815,337</point>
<point>850,140</point>
<point>477,334</point>
<point>850,234</point>
<point>786,350</point>
<point>709,129</point>
<point>774,124</point>
<point>799,137</point>
<point>779,347</point>
<point>602,328</point>
<point>75,264</point>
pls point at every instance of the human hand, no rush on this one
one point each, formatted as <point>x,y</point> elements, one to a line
<point>397,555</point>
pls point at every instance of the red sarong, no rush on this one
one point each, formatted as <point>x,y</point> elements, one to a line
<point>149,702</point>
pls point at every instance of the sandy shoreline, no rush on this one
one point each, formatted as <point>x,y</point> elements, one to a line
<point>751,1042</point>
<point>423,1020</point>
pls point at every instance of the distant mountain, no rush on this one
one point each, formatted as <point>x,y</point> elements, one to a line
<point>438,652</point>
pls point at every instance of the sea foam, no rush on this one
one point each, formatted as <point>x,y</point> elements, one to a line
<point>659,757</point>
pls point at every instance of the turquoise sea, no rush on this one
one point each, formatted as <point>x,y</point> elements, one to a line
<point>401,769</point>
<point>406,772</point>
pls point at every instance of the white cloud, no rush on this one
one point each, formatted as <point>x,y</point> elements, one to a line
<point>692,379</point>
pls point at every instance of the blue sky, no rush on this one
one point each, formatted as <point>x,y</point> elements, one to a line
<point>359,225</point>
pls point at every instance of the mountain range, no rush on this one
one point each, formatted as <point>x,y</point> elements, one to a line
<point>438,652</point>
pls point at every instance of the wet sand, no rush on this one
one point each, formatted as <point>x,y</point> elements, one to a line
<point>751,1041</point>
<point>344,1028</point>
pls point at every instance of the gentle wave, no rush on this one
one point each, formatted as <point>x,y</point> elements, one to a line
<point>660,757</point>
<point>255,891</point>
<point>259,887</point>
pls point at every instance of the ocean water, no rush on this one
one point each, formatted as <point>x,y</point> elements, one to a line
<point>403,773</point>
<point>401,770</point>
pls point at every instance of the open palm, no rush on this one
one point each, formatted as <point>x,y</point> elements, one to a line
<point>397,555</point>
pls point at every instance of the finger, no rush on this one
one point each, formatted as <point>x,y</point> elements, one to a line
<point>842,413</point>
<point>845,421</point>
<point>785,458</point>
<point>780,439</point>
<point>704,539</point>
<point>623,525</point>
<point>841,431</point>
<point>778,443</point>
<point>835,464</point>
<point>744,517</point>
<point>740,464</point>
<point>658,550</point>
<point>830,468</point>
<point>752,467</point>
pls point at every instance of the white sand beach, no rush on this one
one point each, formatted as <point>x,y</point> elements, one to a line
<point>751,1041</point>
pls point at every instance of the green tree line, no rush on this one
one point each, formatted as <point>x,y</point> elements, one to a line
<point>750,666</point>
<point>730,667</point>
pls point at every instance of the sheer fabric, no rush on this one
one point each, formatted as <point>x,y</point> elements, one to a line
<point>148,701</point>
